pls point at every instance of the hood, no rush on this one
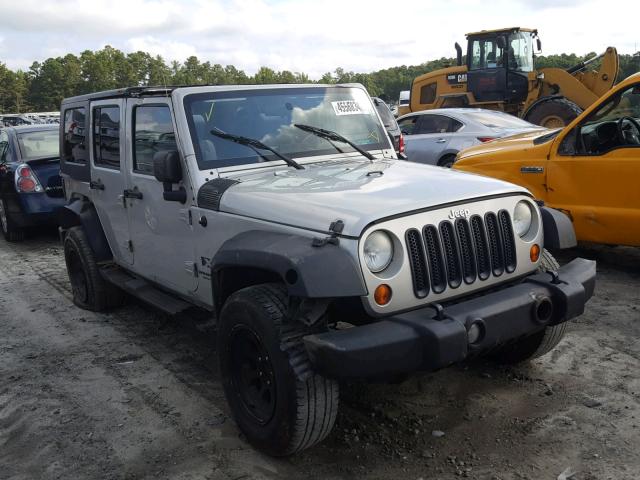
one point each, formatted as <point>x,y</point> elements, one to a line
<point>508,144</point>
<point>358,193</point>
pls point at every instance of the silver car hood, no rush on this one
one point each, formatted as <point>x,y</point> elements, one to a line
<point>358,193</point>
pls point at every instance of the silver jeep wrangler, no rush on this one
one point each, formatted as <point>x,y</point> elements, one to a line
<point>283,211</point>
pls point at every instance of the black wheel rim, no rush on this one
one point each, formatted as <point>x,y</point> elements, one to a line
<point>252,374</point>
<point>77,277</point>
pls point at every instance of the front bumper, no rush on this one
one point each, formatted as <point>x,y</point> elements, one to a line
<point>428,340</point>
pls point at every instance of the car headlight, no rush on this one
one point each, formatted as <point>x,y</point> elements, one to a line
<point>378,251</point>
<point>522,218</point>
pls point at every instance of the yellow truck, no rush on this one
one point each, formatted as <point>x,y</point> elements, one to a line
<point>500,74</point>
<point>589,169</point>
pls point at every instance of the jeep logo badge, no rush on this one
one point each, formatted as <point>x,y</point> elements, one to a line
<point>462,213</point>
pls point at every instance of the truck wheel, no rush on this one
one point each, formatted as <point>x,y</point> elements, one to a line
<point>554,113</point>
<point>279,412</point>
<point>90,290</point>
<point>10,231</point>
<point>540,343</point>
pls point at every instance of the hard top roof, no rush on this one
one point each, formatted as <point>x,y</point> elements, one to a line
<point>167,90</point>
<point>502,30</point>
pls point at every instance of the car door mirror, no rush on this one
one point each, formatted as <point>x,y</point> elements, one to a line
<point>166,166</point>
<point>167,169</point>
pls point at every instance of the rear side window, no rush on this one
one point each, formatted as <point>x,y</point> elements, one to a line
<point>73,149</point>
<point>106,136</point>
<point>153,132</point>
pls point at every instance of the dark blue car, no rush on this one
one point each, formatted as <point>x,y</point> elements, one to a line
<point>30,183</point>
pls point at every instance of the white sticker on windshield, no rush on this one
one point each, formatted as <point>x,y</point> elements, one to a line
<point>347,107</point>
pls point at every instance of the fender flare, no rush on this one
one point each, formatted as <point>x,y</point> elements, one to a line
<point>81,212</point>
<point>558,229</point>
<point>327,271</point>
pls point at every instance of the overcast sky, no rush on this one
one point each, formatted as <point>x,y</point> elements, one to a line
<point>311,36</point>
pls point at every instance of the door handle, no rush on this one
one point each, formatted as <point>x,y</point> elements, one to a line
<point>532,169</point>
<point>441,140</point>
<point>96,185</point>
<point>133,193</point>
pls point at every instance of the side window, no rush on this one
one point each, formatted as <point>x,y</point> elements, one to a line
<point>153,132</point>
<point>434,124</point>
<point>408,125</point>
<point>106,136</point>
<point>73,146</point>
<point>455,125</point>
<point>485,53</point>
<point>4,146</point>
<point>428,93</point>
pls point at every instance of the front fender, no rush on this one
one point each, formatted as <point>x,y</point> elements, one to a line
<point>327,271</point>
<point>558,229</point>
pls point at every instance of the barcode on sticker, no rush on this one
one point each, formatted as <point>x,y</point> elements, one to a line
<point>347,107</point>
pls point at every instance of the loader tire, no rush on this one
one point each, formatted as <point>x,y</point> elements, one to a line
<point>553,113</point>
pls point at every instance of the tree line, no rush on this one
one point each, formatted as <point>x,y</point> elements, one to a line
<point>45,84</point>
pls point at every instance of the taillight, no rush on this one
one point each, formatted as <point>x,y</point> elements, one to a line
<point>486,139</point>
<point>26,180</point>
<point>401,144</point>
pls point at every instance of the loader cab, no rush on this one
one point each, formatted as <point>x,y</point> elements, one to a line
<point>498,64</point>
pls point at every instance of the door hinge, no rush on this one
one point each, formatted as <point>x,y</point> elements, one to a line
<point>130,246</point>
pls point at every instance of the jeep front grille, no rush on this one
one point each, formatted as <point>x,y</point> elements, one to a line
<point>466,250</point>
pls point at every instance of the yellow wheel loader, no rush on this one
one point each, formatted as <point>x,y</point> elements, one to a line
<point>500,75</point>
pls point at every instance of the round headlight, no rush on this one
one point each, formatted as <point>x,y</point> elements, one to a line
<point>522,218</point>
<point>378,251</point>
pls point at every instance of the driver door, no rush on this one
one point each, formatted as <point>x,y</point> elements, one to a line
<point>599,189</point>
<point>161,230</point>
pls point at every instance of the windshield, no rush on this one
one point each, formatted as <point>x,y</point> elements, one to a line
<point>39,144</point>
<point>499,120</point>
<point>270,115</point>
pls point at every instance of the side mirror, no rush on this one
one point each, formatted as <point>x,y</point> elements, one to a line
<point>404,132</point>
<point>166,166</point>
<point>539,45</point>
<point>500,42</point>
<point>167,169</point>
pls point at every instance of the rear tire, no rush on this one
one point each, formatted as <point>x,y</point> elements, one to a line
<point>539,343</point>
<point>447,161</point>
<point>279,412</point>
<point>90,290</point>
<point>10,231</point>
<point>554,113</point>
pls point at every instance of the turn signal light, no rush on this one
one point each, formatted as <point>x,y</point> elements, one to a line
<point>382,294</point>
<point>534,253</point>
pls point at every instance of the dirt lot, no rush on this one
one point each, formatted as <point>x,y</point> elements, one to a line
<point>133,394</point>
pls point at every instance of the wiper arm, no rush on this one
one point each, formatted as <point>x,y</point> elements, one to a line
<point>253,143</point>
<point>331,135</point>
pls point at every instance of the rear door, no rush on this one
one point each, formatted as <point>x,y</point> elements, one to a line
<point>428,139</point>
<point>108,182</point>
<point>161,231</point>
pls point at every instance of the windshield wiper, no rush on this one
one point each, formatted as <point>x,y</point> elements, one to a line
<point>253,143</point>
<point>330,135</point>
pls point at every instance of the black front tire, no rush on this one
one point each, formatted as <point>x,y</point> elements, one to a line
<point>279,412</point>
<point>10,231</point>
<point>539,343</point>
<point>90,290</point>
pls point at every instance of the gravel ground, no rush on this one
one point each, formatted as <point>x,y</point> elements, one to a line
<point>134,394</point>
